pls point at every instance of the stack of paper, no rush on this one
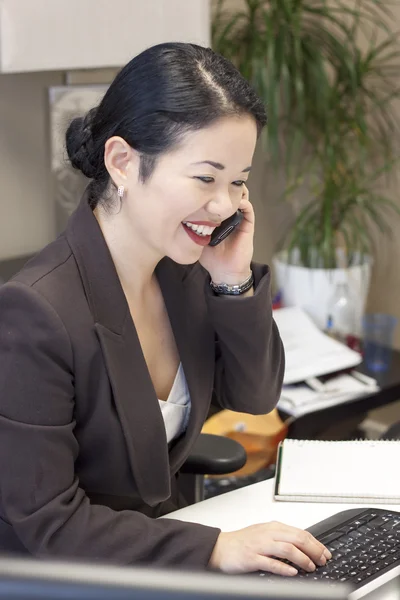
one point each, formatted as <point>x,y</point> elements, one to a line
<point>309,352</point>
<point>300,399</point>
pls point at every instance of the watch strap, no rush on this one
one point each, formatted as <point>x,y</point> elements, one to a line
<point>227,289</point>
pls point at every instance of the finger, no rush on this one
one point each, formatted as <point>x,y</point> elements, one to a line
<point>294,555</point>
<point>303,536</point>
<point>245,205</point>
<point>306,543</point>
<point>266,563</point>
<point>247,209</point>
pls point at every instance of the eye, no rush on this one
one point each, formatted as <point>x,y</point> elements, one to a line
<point>238,183</point>
<point>206,179</point>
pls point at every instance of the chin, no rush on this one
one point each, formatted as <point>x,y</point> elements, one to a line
<point>181,260</point>
<point>182,257</point>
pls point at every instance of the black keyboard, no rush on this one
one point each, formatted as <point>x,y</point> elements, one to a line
<point>365,543</point>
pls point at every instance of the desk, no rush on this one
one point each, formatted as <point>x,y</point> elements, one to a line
<point>313,424</point>
<point>255,504</point>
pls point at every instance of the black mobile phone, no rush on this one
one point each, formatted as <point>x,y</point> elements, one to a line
<point>226,228</point>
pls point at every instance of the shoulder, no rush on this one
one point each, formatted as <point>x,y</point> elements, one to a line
<point>50,259</point>
<point>52,274</point>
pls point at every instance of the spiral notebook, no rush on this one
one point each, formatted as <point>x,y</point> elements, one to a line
<point>349,471</point>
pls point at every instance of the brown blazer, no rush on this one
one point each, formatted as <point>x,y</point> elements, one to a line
<point>84,460</point>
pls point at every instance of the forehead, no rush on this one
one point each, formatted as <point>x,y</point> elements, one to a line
<point>230,141</point>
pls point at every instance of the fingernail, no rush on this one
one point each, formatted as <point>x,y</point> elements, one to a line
<point>292,571</point>
<point>322,560</point>
<point>327,554</point>
<point>311,566</point>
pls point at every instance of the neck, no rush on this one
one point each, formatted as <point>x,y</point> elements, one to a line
<point>134,261</point>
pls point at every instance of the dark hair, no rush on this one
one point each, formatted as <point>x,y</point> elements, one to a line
<point>161,94</point>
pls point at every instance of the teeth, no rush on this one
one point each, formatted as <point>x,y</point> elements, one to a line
<point>201,230</point>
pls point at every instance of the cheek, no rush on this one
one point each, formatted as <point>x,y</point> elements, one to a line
<point>236,194</point>
<point>185,200</point>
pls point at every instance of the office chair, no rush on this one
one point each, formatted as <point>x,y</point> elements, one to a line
<point>211,455</point>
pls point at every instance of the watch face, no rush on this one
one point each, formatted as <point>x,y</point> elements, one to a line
<point>66,103</point>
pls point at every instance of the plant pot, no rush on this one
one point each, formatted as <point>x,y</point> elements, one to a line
<point>312,289</point>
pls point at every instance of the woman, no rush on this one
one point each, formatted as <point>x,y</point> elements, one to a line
<point>113,340</point>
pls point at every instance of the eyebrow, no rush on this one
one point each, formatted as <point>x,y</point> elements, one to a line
<point>218,165</point>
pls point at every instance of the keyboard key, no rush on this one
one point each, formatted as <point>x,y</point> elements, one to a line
<point>326,539</point>
<point>364,529</point>
<point>336,544</point>
<point>359,578</point>
<point>346,528</point>
<point>370,516</point>
<point>395,523</point>
<point>346,540</point>
<point>375,523</point>
<point>358,522</point>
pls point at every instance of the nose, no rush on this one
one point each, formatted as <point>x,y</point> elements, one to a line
<point>222,205</point>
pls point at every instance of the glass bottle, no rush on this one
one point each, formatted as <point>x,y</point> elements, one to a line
<point>341,323</point>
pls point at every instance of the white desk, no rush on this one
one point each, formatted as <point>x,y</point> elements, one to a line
<point>256,504</point>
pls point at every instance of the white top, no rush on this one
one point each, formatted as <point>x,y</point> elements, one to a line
<point>176,410</point>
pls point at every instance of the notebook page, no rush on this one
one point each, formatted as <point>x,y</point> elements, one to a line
<point>350,468</point>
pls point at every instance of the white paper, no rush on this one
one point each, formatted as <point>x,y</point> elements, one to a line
<point>309,352</point>
<point>298,400</point>
<point>340,468</point>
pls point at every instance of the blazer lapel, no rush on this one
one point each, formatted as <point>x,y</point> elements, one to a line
<point>133,391</point>
<point>194,337</point>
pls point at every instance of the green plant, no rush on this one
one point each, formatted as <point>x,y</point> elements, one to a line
<point>326,71</point>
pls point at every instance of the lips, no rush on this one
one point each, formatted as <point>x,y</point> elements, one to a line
<point>201,228</point>
<point>198,238</point>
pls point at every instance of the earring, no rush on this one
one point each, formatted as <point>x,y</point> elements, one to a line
<point>121,191</point>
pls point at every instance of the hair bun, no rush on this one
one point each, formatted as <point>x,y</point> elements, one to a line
<point>79,144</point>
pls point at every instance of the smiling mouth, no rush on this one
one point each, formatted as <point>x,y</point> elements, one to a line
<point>199,234</point>
<point>200,230</point>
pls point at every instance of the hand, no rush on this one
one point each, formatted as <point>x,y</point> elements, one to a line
<point>229,262</point>
<point>253,549</point>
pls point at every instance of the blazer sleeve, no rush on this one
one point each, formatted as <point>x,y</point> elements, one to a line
<point>250,359</point>
<point>40,495</point>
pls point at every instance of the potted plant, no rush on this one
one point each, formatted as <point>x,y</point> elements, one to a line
<point>326,73</point>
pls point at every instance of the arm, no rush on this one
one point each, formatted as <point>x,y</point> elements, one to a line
<point>249,353</point>
<point>250,358</point>
<point>40,496</point>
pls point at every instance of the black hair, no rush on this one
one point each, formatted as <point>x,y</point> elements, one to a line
<point>160,95</point>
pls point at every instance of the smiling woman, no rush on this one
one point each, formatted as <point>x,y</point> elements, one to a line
<point>115,339</point>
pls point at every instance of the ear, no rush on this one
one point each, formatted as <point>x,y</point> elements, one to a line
<point>120,159</point>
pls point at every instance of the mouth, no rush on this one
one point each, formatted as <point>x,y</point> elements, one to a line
<point>200,234</point>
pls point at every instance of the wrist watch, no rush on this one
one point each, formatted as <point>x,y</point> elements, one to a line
<point>227,289</point>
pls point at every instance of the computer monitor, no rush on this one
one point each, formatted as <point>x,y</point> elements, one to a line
<point>32,579</point>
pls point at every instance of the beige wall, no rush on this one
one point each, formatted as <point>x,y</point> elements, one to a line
<point>26,209</point>
<point>27,220</point>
